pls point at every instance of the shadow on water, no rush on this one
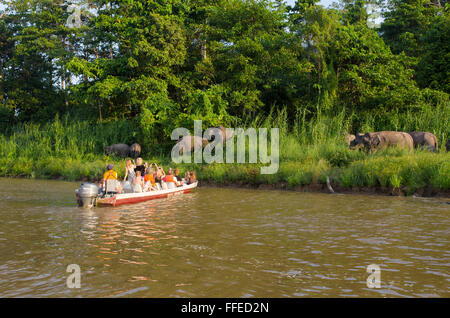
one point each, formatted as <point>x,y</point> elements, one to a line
<point>221,243</point>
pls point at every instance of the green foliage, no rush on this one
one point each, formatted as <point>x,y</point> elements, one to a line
<point>405,21</point>
<point>135,70</point>
<point>164,64</point>
<point>75,151</point>
<point>420,29</point>
<point>433,69</point>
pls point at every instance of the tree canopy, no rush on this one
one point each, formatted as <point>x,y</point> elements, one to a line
<point>165,63</point>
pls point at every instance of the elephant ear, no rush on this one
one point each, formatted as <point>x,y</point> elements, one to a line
<point>358,137</point>
<point>375,141</point>
<point>366,137</point>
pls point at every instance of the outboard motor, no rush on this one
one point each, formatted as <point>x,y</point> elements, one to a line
<point>87,195</point>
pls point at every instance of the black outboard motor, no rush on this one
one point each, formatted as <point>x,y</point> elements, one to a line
<point>87,195</point>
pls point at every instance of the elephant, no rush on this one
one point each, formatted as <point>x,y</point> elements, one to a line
<point>135,150</point>
<point>424,140</point>
<point>356,142</point>
<point>121,150</point>
<point>191,143</point>
<point>383,139</point>
<point>447,145</point>
<point>349,138</point>
<point>225,135</point>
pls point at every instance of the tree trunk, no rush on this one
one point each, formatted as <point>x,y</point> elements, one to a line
<point>1,82</point>
<point>203,49</point>
<point>100,111</point>
<point>203,42</point>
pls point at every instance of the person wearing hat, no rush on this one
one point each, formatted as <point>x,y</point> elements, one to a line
<point>110,174</point>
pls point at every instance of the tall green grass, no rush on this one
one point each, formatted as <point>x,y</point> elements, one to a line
<point>312,147</point>
<point>64,139</point>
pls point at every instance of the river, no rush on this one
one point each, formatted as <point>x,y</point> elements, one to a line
<point>222,243</point>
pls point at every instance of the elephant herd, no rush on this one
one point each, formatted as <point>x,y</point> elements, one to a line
<point>186,142</point>
<point>368,141</point>
<point>382,139</point>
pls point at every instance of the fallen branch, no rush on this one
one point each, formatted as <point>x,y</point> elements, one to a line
<point>329,185</point>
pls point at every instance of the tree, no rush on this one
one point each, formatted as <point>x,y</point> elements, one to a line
<point>35,61</point>
<point>252,56</point>
<point>405,21</point>
<point>354,11</point>
<point>433,69</point>
<point>370,77</point>
<point>137,46</point>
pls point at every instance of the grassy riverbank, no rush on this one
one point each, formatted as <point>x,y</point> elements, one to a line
<point>393,171</point>
<point>310,150</point>
<point>53,153</point>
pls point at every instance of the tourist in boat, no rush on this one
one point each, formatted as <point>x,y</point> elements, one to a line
<point>159,176</point>
<point>163,182</point>
<point>170,179</point>
<point>137,184</point>
<point>178,177</point>
<point>149,180</point>
<point>130,174</point>
<point>110,174</point>
<point>191,177</point>
<point>140,167</point>
<point>155,168</point>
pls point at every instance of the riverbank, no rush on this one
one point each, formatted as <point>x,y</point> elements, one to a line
<point>337,189</point>
<point>75,152</point>
<point>390,172</point>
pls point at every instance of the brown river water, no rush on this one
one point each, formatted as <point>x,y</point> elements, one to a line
<point>222,243</point>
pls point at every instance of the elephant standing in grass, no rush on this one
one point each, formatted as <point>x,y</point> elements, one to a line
<point>447,145</point>
<point>349,138</point>
<point>424,140</point>
<point>224,134</point>
<point>191,143</point>
<point>121,150</point>
<point>135,150</point>
<point>383,139</point>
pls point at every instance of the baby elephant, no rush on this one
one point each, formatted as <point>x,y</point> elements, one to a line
<point>424,140</point>
<point>121,150</point>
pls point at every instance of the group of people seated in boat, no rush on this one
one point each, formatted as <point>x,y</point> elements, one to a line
<point>142,177</point>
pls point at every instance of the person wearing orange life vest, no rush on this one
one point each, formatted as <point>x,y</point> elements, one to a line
<point>149,180</point>
<point>170,178</point>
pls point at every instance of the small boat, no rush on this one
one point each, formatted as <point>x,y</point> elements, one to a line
<point>88,195</point>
